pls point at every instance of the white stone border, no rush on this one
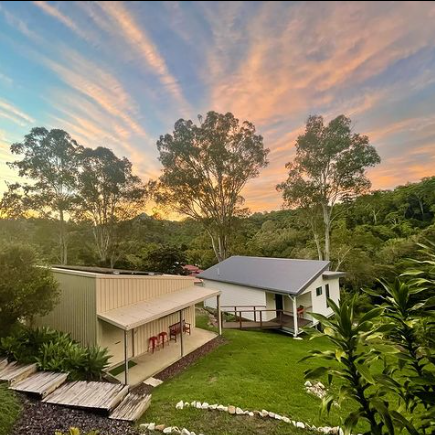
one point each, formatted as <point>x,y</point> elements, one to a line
<point>235,410</point>
<point>151,427</point>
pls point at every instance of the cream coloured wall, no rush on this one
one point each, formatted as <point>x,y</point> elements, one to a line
<point>114,291</point>
<point>113,338</point>
<point>76,311</point>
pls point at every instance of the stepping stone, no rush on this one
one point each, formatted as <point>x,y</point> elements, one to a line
<point>153,382</point>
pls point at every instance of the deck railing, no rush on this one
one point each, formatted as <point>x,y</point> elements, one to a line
<point>258,316</point>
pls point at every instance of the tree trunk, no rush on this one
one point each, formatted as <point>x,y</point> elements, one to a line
<point>327,222</point>
<point>317,242</point>
<point>62,239</point>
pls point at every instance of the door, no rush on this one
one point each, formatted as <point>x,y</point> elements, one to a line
<point>279,305</point>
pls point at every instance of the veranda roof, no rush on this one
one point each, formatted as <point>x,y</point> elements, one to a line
<point>133,316</point>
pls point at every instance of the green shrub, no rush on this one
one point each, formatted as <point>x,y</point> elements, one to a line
<point>9,410</point>
<point>55,351</point>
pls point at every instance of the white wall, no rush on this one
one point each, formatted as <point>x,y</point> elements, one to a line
<point>233,295</point>
<point>318,303</point>
<point>237,295</point>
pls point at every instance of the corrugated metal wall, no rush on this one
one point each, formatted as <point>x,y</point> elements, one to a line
<point>114,292</point>
<point>76,311</point>
<point>113,337</point>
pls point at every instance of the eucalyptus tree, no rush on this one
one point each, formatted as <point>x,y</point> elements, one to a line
<point>109,196</point>
<point>205,168</point>
<point>329,167</point>
<point>49,163</point>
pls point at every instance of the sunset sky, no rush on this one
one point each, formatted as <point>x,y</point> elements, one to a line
<point>119,74</point>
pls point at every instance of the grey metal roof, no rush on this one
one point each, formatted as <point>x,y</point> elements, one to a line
<point>282,275</point>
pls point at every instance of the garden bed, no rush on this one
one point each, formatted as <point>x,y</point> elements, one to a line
<point>39,418</point>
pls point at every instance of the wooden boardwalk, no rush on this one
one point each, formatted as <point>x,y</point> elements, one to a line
<point>40,383</point>
<point>131,408</point>
<point>14,372</point>
<point>90,395</point>
<point>53,388</point>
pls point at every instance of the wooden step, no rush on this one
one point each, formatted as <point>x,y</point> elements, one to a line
<point>131,408</point>
<point>90,395</point>
<point>14,372</point>
<point>40,383</point>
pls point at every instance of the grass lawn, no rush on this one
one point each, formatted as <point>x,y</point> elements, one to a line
<point>9,410</point>
<point>254,370</point>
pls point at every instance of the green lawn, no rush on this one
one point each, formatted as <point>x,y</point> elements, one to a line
<point>254,370</point>
<point>9,410</point>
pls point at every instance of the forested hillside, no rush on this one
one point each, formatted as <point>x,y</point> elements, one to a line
<point>372,236</point>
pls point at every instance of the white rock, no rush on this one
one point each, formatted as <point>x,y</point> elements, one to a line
<point>205,405</point>
<point>185,431</point>
<point>193,403</point>
<point>264,413</point>
<point>220,408</point>
<point>251,414</point>
<point>179,405</point>
<point>213,407</point>
<point>271,414</point>
<point>239,411</point>
<point>198,405</point>
<point>300,424</point>
<point>186,404</point>
<point>225,409</point>
<point>320,385</point>
<point>277,417</point>
<point>151,426</point>
<point>192,433</point>
<point>167,429</point>
<point>308,384</point>
<point>286,420</point>
<point>144,426</point>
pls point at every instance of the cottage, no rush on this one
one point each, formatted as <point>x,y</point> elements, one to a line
<point>145,320</point>
<point>273,292</point>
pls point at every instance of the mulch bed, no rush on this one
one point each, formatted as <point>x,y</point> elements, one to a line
<point>182,364</point>
<point>39,418</point>
<point>44,419</point>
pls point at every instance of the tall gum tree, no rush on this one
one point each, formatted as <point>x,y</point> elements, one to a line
<point>49,161</point>
<point>329,167</point>
<point>205,168</point>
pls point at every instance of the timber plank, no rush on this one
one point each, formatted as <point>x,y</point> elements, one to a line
<point>131,408</point>
<point>94,395</point>
<point>41,383</point>
<point>14,372</point>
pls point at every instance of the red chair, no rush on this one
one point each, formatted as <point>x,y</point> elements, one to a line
<point>163,337</point>
<point>153,342</point>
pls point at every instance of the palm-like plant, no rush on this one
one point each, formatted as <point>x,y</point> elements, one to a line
<point>358,343</point>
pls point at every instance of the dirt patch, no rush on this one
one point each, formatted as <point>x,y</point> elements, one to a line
<point>182,364</point>
<point>39,418</point>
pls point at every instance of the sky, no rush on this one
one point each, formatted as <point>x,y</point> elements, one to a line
<point>119,74</point>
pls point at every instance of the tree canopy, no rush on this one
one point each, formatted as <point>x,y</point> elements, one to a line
<point>330,166</point>
<point>26,289</point>
<point>205,168</point>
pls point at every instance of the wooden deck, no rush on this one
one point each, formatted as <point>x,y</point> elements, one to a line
<point>285,322</point>
<point>90,395</point>
<point>40,383</point>
<point>131,408</point>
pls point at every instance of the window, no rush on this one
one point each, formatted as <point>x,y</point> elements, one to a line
<point>319,291</point>
<point>327,294</point>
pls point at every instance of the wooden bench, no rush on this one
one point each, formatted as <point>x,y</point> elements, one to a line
<point>175,330</point>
